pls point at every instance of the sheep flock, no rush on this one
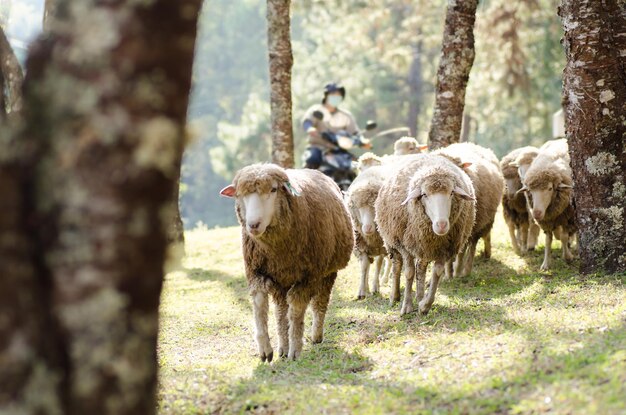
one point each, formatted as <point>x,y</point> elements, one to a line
<point>402,213</point>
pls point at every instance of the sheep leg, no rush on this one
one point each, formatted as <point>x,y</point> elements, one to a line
<point>449,268</point>
<point>378,265</point>
<point>365,269</point>
<point>459,262</point>
<point>409,271</point>
<point>487,241</point>
<point>319,304</point>
<point>427,302</point>
<point>513,237</point>
<point>260,309</point>
<point>298,299</point>
<point>396,264</point>
<point>420,278</point>
<point>282,323</point>
<point>469,259</point>
<point>387,270</point>
<point>522,231</point>
<point>546,252</point>
<point>533,235</point>
<point>565,248</point>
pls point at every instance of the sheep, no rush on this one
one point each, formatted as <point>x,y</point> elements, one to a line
<point>296,234</point>
<point>369,246</point>
<point>368,160</point>
<point>483,168</point>
<point>408,145</point>
<point>548,183</point>
<point>522,228</point>
<point>524,159</point>
<point>425,211</point>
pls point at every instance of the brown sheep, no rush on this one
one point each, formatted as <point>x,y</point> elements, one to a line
<point>368,247</point>
<point>296,234</point>
<point>548,183</point>
<point>425,212</point>
<point>522,228</point>
<point>483,168</point>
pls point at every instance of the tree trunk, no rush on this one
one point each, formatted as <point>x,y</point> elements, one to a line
<point>176,233</point>
<point>86,182</point>
<point>12,75</point>
<point>594,98</point>
<point>457,57</point>
<point>49,13</point>
<point>416,83</point>
<point>281,61</point>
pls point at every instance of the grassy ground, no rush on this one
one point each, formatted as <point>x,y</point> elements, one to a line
<point>506,340</point>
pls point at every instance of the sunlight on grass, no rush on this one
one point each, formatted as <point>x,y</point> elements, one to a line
<point>507,339</point>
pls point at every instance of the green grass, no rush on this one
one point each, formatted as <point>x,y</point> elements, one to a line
<point>506,340</point>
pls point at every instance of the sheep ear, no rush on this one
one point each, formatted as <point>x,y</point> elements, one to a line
<point>564,186</point>
<point>414,194</point>
<point>228,191</point>
<point>465,165</point>
<point>514,164</point>
<point>292,190</point>
<point>523,189</point>
<point>463,193</point>
<point>423,147</point>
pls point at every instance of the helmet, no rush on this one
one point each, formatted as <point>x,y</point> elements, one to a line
<point>334,87</point>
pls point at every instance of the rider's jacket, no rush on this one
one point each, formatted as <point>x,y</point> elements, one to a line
<point>332,122</point>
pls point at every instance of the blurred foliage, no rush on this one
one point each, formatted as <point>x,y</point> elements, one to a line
<point>369,46</point>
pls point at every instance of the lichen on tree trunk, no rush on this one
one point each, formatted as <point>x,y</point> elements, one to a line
<point>87,181</point>
<point>455,64</point>
<point>280,64</point>
<point>594,100</point>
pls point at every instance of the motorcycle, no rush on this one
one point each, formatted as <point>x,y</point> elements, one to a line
<point>339,163</point>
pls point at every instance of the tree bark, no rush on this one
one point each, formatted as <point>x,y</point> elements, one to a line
<point>87,180</point>
<point>12,75</point>
<point>416,83</point>
<point>594,98</point>
<point>457,58</point>
<point>49,13</point>
<point>280,62</point>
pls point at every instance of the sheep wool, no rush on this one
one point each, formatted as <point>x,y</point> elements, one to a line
<point>296,259</point>
<point>407,229</point>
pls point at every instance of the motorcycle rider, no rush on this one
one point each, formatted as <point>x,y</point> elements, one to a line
<point>326,117</point>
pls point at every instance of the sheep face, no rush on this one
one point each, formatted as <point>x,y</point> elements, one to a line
<point>542,196</point>
<point>366,216</point>
<point>513,184</point>
<point>256,189</point>
<point>436,198</point>
<point>258,209</point>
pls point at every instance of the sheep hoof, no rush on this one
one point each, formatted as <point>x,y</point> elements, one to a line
<point>293,355</point>
<point>282,353</point>
<point>375,291</point>
<point>544,267</point>
<point>360,297</point>
<point>424,308</point>
<point>267,357</point>
<point>406,308</point>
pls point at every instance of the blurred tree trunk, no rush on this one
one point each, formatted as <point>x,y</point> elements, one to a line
<point>12,76</point>
<point>281,61</point>
<point>176,233</point>
<point>457,57</point>
<point>49,13</point>
<point>416,85</point>
<point>594,98</point>
<point>85,182</point>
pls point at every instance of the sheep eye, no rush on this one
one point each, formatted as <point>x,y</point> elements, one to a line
<point>274,189</point>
